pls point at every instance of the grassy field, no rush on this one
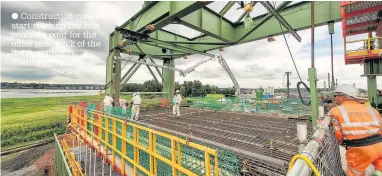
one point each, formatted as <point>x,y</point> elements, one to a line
<point>26,120</point>
<point>209,97</point>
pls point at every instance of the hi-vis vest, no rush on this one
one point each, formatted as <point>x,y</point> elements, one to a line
<point>355,121</point>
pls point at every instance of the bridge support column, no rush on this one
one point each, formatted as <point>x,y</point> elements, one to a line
<point>113,67</point>
<point>313,95</point>
<point>372,88</point>
<point>113,74</point>
<point>169,78</point>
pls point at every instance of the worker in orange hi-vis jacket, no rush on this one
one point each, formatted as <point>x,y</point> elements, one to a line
<point>358,128</point>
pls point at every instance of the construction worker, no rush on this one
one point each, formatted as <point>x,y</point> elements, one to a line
<point>108,103</point>
<point>358,128</point>
<point>132,109</point>
<point>177,100</point>
<point>136,103</point>
<point>122,102</point>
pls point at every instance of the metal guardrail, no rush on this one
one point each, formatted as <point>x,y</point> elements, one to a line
<point>143,150</point>
<point>364,49</point>
<point>62,167</point>
<point>74,165</point>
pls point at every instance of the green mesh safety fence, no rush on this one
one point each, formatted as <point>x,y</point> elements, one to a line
<point>118,111</point>
<point>130,151</point>
<point>163,169</point>
<point>163,147</point>
<point>143,138</point>
<point>228,162</point>
<point>292,106</point>
<point>190,158</point>
<point>89,109</point>
<point>144,161</point>
<point>223,104</point>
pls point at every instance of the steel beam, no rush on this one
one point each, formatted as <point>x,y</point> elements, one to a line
<point>226,8</point>
<point>265,19</point>
<point>169,77</point>
<point>151,64</point>
<point>173,10</point>
<point>130,69</point>
<point>270,8</point>
<point>160,74</point>
<point>298,16</point>
<point>372,88</point>
<point>207,22</point>
<point>113,67</point>
<point>173,47</point>
<point>152,73</point>
<point>190,50</point>
<point>134,70</point>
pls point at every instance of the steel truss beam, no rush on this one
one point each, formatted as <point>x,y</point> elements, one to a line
<point>210,23</point>
<point>181,72</point>
<point>226,8</point>
<point>218,29</point>
<point>270,8</point>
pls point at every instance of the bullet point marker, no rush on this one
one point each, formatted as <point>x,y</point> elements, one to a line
<point>15,16</point>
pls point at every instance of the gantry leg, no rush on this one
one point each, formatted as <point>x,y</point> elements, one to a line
<point>372,88</point>
<point>113,67</point>
<point>313,95</point>
<point>169,78</point>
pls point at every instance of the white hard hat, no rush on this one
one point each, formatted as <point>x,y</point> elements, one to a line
<point>177,91</point>
<point>137,93</point>
<point>134,94</point>
<point>348,90</point>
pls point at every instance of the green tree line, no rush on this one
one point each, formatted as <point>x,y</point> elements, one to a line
<point>188,88</point>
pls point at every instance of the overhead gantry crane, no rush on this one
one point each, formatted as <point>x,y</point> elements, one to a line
<point>144,34</point>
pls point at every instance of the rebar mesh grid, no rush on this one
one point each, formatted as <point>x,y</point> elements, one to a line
<point>261,134</point>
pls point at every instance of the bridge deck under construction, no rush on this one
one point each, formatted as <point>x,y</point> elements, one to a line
<point>267,135</point>
<point>199,142</point>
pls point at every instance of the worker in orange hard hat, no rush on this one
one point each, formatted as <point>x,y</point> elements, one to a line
<point>358,128</point>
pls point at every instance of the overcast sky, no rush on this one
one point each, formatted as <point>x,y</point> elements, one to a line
<point>254,64</point>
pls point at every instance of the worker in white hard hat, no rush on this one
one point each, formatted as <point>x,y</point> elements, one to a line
<point>177,100</point>
<point>136,103</point>
<point>108,103</point>
<point>358,128</point>
<point>123,104</point>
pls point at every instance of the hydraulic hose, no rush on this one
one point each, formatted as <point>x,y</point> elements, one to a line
<point>299,92</point>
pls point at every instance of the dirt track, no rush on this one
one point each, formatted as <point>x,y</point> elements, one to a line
<point>36,161</point>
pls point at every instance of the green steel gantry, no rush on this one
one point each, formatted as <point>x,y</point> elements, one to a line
<point>143,34</point>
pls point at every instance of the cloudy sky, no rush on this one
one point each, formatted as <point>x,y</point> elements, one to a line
<point>254,64</point>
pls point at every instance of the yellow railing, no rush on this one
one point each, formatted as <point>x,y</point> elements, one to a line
<point>98,138</point>
<point>365,50</point>
<point>74,165</point>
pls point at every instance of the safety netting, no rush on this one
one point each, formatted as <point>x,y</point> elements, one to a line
<point>291,106</point>
<point>328,160</point>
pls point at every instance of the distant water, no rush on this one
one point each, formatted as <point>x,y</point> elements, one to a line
<point>32,93</point>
